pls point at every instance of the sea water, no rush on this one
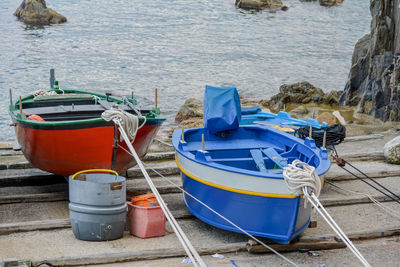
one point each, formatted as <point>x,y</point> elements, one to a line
<point>178,46</point>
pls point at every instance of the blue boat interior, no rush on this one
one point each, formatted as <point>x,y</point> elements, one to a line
<point>251,148</point>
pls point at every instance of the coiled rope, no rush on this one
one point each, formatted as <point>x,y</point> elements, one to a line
<point>129,122</point>
<point>301,178</point>
<point>335,134</point>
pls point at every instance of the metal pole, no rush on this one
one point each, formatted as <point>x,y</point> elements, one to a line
<point>202,142</point>
<point>52,78</point>
<point>20,104</point>
<point>156,98</point>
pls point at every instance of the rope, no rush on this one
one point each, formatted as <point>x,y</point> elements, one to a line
<point>379,204</point>
<point>129,122</point>
<point>305,179</point>
<point>296,178</point>
<point>188,247</point>
<point>224,218</point>
<point>394,197</point>
<point>43,93</point>
<point>335,134</point>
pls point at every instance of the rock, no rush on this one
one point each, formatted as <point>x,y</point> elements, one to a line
<point>330,2</point>
<point>192,108</point>
<point>284,8</point>
<point>327,117</point>
<point>339,117</point>
<point>391,151</point>
<point>300,110</point>
<point>36,12</point>
<point>374,78</point>
<point>301,93</point>
<point>259,4</point>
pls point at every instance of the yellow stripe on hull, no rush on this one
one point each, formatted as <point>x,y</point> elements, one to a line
<point>232,189</point>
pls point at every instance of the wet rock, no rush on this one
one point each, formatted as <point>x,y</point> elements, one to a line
<point>374,78</point>
<point>327,117</point>
<point>192,108</point>
<point>259,4</point>
<point>391,151</point>
<point>300,110</point>
<point>301,93</point>
<point>36,12</point>
<point>330,2</point>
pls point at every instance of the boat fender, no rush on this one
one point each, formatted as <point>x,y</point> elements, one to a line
<point>35,118</point>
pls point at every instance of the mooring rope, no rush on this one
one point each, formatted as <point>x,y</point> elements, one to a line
<point>220,215</point>
<point>378,203</point>
<point>294,176</point>
<point>382,189</point>
<point>188,247</point>
<point>224,218</point>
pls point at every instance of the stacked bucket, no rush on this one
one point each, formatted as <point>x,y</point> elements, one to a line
<point>99,211</point>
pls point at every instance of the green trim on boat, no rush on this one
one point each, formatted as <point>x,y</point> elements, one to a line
<point>152,116</point>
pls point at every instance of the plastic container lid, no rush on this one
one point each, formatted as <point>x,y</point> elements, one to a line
<point>147,200</point>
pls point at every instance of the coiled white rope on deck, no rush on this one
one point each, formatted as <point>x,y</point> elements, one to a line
<point>129,122</point>
<point>304,180</point>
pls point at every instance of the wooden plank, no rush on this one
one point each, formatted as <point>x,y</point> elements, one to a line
<point>254,247</point>
<point>323,242</point>
<point>363,138</point>
<point>357,235</point>
<point>7,228</point>
<point>351,200</point>
<point>42,197</point>
<point>139,255</point>
<point>312,243</point>
<point>373,156</point>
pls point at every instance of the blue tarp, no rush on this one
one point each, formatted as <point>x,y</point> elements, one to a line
<point>221,110</point>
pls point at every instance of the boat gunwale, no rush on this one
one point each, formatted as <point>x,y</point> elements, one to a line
<point>266,175</point>
<point>13,112</point>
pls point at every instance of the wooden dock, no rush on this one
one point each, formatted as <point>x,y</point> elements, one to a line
<point>35,227</point>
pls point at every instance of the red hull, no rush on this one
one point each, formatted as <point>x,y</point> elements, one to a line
<point>68,151</point>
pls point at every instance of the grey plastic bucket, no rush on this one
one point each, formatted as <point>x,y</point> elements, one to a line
<point>97,206</point>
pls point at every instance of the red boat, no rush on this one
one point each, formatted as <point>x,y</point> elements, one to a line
<point>62,131</point>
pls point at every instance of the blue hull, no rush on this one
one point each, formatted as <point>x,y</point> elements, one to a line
<point>279,219</point>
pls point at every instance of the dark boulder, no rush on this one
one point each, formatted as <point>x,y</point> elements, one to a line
<point>330,2</point>
<point>260,4</point>
<point>302,93</point>
<point>36,12</point>
<point>192,108</point>
<point>374,79</point>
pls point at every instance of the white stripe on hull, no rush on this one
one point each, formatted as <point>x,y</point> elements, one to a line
<point>233,180</point>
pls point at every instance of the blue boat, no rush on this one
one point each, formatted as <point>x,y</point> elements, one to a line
<point>254,115</point>
<point>237,171</point>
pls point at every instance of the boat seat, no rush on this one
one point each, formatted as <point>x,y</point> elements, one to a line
<point>273,155</point>
<point>258,159</point>
<point>62,97</point>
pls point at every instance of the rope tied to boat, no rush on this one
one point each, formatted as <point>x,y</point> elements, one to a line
<point>299,175</point>
<point>304,180</point>
<point>129,122</point>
